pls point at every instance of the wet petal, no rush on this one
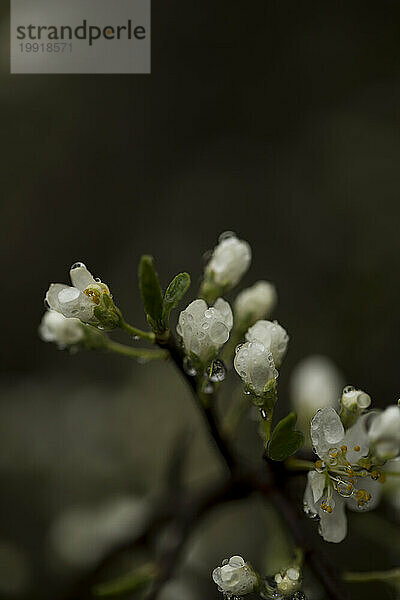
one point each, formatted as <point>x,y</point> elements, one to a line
<point>81,278</point>
<point>52,295</point>
<point>317,482</point>
<point>326,430</point>
<point>357,437</point>
<point>333,526</point>
<point>371,486</point>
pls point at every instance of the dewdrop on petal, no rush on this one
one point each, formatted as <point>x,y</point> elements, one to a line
<point>272,336</point>
<point>235,577</point>
<point>204,330</point>
<point>255,303</point>
<point>288,581</point>
<point>255,365</point>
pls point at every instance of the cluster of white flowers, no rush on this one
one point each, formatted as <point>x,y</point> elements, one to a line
<point>71,308</point>
<point>235,577</point>
<point>349,470</point>
<point>80,299</point>
<point>204,330</point>
<point>257,360</point>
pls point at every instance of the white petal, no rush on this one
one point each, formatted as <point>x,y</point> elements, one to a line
<point>81,278</point>
<point>327,430</point>
<point>356,436</point>
<point>317,482</point>
<point>52,295</point>
<point>333,526</point>
<point>224,308</point>
<point>74,303</point>
<point>371,486</point>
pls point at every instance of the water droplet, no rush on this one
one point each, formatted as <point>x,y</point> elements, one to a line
<point>208,388</point>
<point>136,338</point>
<point>349,389</point>
<point>216,372</point>
<point>264,414</point>
<point>188,367</point>
<point>78,265</point>
<point>344,488</point>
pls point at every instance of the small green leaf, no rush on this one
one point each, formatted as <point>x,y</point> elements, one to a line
<point>285,440</point>
<point>150,290</point>
<point>175,292</point>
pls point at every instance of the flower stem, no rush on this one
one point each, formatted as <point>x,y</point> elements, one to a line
<point>138,353</point>
<point>266,416</point>
<point>297,464</point>
<point>135,332</point>
<point>392,575</point>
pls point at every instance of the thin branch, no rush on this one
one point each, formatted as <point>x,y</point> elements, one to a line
<point>208,411</point>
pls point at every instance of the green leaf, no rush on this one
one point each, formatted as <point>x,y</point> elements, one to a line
<point>151,293</point>
<point>285,440</point>
<point>175,292</point>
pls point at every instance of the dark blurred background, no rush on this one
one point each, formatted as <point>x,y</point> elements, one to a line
<point>276,119</point>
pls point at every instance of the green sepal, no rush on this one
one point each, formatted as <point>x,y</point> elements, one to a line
<point>285,440</point>
<point>151,293</point>
<point>174,293</point>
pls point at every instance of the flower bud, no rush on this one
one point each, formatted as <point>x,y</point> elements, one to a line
<point>60,330</point>
<point>315,383</point>
<point>384,434</point>
<point>255,303</point>
<point>235,577</point>
<point>255,365</point>
<point>204,330</point>
<point>288,582</point>
<point>353,404</point>
<point>272,336</point>
<point>87,299</point>
<point>229,262</point>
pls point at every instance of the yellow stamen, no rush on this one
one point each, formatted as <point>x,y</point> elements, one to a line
<point>357,448</point>
<point>343,448</point>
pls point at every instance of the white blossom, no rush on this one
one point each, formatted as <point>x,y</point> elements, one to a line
<point>235,577</point>
<point>80,299</point>
<point>330,489</point>
<point>384,433</point>
<point>60,330</point>
<point>272,336</point>
<point>229,261</point>
<point>204,330</point>
<point>255,365</point>
<point>256,302</point>
<point>315,383</point>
